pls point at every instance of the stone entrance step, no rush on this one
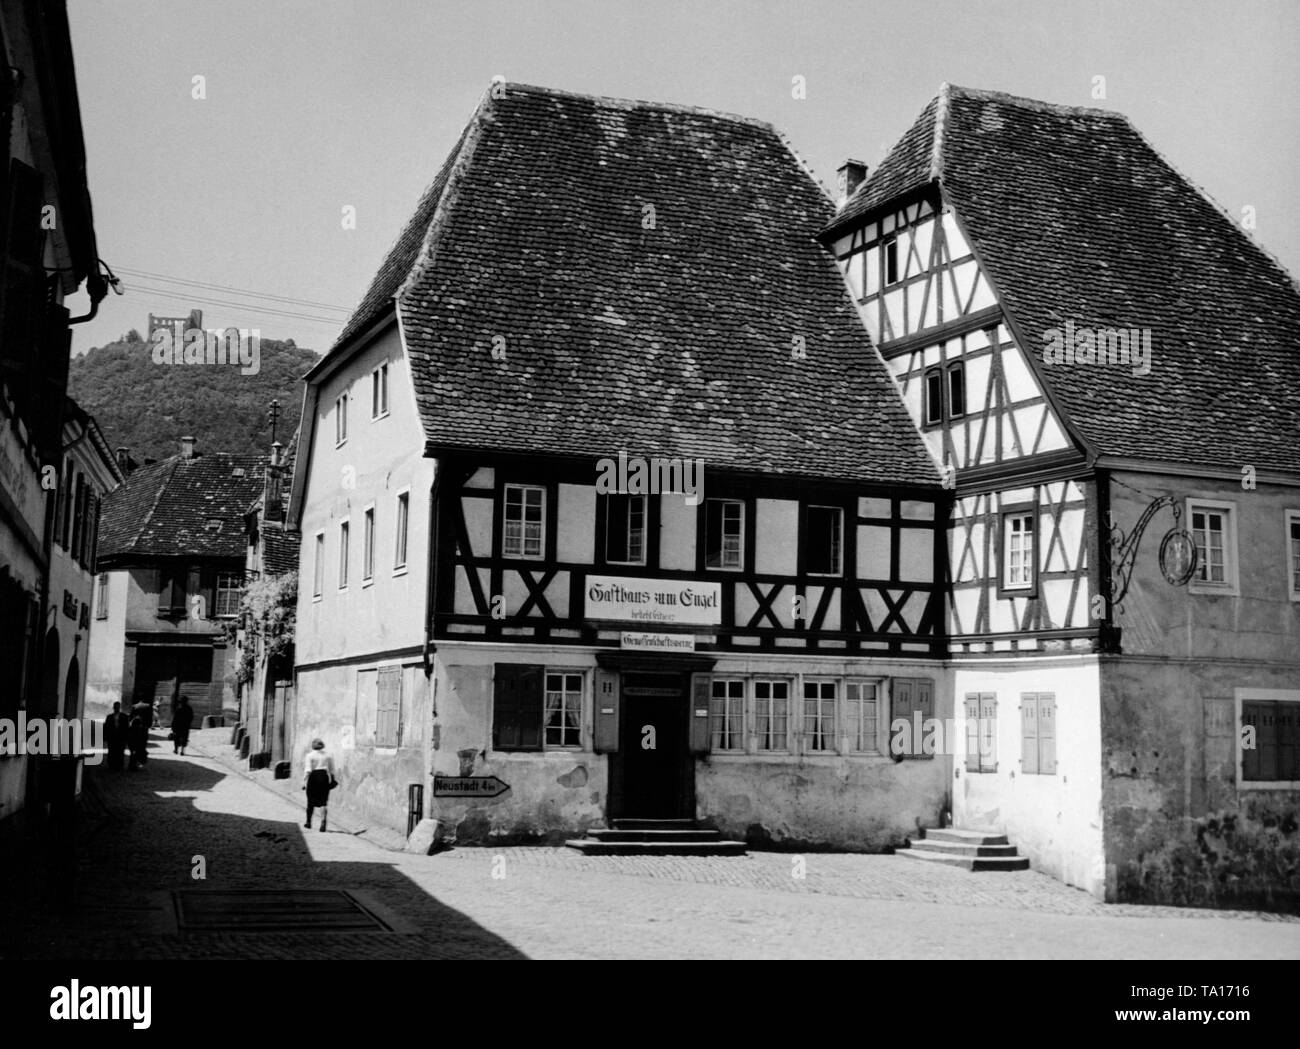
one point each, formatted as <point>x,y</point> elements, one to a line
<point>971,849</point>
<point>638,837</point>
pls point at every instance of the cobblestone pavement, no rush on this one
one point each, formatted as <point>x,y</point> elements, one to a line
<point>143,835</point>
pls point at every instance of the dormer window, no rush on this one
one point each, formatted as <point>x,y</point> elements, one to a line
<point>212,524</point>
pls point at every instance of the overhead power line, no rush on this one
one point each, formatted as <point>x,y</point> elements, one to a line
<point>243,292</point>
<point>247,307</point>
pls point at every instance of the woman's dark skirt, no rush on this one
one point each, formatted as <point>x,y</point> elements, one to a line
<point>318,788</point>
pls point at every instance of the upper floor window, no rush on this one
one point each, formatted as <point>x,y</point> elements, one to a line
<point>318,566</point>
<point>379,392</point>
<point>823,540</point>
<point>1213,526</point>
<point>101,596</point>
<point>344,529</point>
<point>368,546</point>
<point>399,539</point>
<point>945,393</point>
<point>891,260</point>
<point>1293,552</point>
<point>341,419</point>
<point>625,529</point>
<point>724,532</point>
<point>228,586</point>
<point>1018,550</point>
<point>524,531</point>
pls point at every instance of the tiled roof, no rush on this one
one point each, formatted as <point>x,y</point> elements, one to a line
<point>280,550</point>
<point>166,509</point>
<point>676,336</point>
<point>1077,217</point>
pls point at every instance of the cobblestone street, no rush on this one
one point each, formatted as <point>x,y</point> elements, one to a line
<point>143,835</point>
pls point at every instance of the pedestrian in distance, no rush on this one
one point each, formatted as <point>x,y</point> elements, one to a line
<point>137,735</point>
<point>182,719</point>
<point>318,780</point>
<point>116,726</point>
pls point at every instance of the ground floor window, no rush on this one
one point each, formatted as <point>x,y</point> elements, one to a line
<point>981,732</point>
<point>819,716</point>
<point>772,715</point>
<point>1269,737</point>
<point>535,707</point>
<point>728,712</point>
<point>1038,733</point>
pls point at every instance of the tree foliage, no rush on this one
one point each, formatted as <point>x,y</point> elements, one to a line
<point>149,407</point>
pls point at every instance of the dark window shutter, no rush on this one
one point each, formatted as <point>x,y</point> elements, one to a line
<point>701,691</point>
<point>902,702</point>
<point>605,738</point>
<point>1047,734</point>
<point>517,707</point>
<point>1250,764</point>
<point>972,732</point>
<point>1029,732</point>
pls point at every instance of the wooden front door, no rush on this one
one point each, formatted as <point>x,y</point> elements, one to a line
<point>658,772</point>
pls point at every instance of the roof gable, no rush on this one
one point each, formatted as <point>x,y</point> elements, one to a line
<point>1077,218</point>
<point>652,274</point>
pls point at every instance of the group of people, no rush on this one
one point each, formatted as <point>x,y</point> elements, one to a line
<point>130,732</point>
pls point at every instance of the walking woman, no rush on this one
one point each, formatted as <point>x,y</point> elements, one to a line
<point>318,780</point>
<point>182,719</point>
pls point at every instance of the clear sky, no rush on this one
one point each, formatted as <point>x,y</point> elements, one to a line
<point>314,105</point>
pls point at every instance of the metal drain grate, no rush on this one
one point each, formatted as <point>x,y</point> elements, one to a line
<point>274,910</point>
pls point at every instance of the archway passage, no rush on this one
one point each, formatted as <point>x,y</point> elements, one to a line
<point>72,690</point>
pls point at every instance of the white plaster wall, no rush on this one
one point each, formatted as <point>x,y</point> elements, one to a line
<point>107,647</point>
<point>1055,820</point>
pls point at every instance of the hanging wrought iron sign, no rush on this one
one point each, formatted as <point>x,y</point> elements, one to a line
<point>1178,556</point>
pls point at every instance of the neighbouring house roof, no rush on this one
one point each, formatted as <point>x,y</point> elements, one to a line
<point>170,508</point>
<point>280,550</point>
<point>653,276</point>
<point>1076,217</point>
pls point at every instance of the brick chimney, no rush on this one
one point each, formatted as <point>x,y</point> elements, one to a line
<point>848,177</point>
<point>187,447</point>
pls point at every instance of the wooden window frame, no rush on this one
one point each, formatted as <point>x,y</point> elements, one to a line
<point>723,503</point>
<point>379,392</point>
<point>788,684</point>
<point>1271,696</point>
<point>721,714</point>
<point>318,568</point>
<point>985,723</point>
<point>235,583</point>
<point>805,539</point>
<point>401,531</point>
<point>564,673</point>
<point>608,524</point>
<point>1230,587</point>
<point>954,368</point>
<point>853,741</point>
<point>341,419</point>
<point>345,552</point>
<point>1038,698</point>
<point>521,555</point>
<point>368,526</point>
<point>1005,588</point>
<point>807,731</point>
<point>1291,551</point>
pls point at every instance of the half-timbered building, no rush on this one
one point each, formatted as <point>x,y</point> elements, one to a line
<point>1092,350</point>
<point>605,493</point>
